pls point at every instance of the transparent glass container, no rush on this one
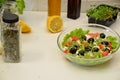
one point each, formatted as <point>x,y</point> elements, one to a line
<point>9,7</point>
<point>93,28</point>
<point>10,38</point>
<point>54,7</point>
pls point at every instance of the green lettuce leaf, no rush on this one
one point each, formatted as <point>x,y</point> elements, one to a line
<point>114,42</point>
<point>77,32</point>
<point>20,5</point>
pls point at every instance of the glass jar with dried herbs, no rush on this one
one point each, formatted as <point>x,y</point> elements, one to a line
<point>9,7</point>
<point>10,38</point>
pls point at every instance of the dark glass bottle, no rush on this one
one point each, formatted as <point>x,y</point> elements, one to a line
<point>73,9</point>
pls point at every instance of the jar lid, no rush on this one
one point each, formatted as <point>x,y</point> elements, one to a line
<point>10,18</point>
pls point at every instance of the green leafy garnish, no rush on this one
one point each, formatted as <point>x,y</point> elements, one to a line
<point>77,32</point>
<point>111,38</point>
<point>20,5</point>
<point>102,12</point>
<point>1,2</point>
<point>87,55</point>
<point>98,41</point>
<point>96,54</point>
<point>114,42</point>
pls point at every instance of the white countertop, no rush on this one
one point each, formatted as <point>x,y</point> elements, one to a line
<point>41,58</point>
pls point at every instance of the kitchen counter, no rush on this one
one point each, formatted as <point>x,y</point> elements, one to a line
<point>41,58</point>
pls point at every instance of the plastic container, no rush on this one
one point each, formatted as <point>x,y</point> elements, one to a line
<point>107,22</point>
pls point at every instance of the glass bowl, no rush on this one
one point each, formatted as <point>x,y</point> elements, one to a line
<point>81,59</point>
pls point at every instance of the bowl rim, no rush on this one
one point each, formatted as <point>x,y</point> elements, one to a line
<point>91,24</point>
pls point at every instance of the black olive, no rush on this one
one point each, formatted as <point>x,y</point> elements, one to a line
<point>88,48</point>
<point>84,38</point>
<point>76,46</point>
<point>102,35</point>
<point>90,40</point>
<point>105,43</point>
<point>95,49</point>
<point>73,50</point>
<point>81,52</point>
<point>107,49</point>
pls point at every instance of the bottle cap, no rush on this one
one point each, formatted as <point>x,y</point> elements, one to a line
<point>10,18</point>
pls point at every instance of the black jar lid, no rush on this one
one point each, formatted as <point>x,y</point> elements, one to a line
<point>10,18</point>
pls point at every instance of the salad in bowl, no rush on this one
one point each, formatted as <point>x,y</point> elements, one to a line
<point>89,44</point>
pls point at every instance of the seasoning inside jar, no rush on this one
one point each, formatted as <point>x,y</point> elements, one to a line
<point>10,38</point>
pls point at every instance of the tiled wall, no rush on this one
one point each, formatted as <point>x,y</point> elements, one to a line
<point>41,5</point>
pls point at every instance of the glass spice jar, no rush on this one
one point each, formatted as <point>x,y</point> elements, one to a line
<point>9,7</point>
<point>10,38</point>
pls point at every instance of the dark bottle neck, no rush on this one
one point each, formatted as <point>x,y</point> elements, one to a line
<point>11,0</point>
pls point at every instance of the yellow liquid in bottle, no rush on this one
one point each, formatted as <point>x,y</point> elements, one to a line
<point>54,7</point>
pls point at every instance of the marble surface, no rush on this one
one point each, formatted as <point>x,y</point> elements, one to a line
<point>41,59</point>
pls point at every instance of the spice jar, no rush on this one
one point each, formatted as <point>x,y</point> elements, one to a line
<point>10,38</point>
<point>9,7</point>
